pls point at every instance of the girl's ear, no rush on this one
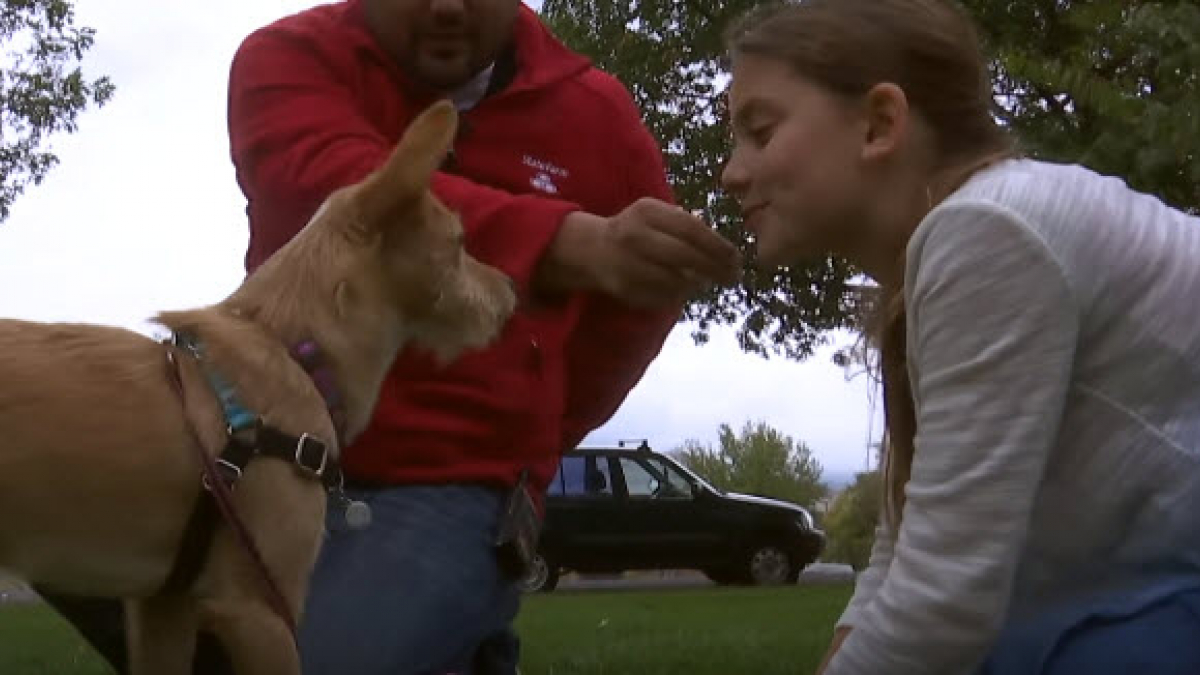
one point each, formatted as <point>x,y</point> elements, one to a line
<point>887,120</point>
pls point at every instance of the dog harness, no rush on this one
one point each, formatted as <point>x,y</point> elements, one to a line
<point>246,439</point>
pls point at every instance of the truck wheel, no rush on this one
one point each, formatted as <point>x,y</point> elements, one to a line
<point>771,566</point>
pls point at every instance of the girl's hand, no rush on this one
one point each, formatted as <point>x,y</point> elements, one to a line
<point>839,636</point>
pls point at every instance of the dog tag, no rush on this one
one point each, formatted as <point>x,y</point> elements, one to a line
<point>355,513</point>
<point>358,514</point>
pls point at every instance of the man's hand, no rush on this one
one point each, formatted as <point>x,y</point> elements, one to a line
<point>652,254</point>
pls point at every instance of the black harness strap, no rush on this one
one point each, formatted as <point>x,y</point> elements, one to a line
<point>193,550</point>
<point>215,482</point>
<point>309,454</point>
<point>247,439</point>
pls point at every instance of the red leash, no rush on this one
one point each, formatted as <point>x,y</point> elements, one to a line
<point>223,497</point>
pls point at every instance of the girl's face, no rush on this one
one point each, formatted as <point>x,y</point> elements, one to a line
<point>800,164</point>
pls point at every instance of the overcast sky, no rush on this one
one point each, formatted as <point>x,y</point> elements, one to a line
<point>143,214</point>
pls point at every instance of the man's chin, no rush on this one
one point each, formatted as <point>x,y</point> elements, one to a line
<point>443,74</point>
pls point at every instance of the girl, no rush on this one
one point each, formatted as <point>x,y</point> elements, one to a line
<point>1040,349</point>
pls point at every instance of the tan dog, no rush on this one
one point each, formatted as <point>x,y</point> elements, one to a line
<point>98,470</point>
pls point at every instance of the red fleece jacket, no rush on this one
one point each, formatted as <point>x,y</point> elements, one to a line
<point>314,105</point>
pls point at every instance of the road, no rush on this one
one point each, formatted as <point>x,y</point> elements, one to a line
<point>817,573</point>
<point>13,592</point>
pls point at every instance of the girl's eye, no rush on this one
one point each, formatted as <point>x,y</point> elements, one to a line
<point>761,135</point>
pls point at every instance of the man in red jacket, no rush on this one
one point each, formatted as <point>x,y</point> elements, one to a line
<point>547,174</point>
<point>558,184</point>
<point>318,100</point>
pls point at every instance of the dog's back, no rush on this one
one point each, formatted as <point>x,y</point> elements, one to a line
<point>91,436</point>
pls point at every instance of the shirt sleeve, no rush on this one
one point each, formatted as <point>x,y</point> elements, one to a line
<point>613,344</point>
<point>297,135</point>
<point>868,581</point>
<point>992,332</point>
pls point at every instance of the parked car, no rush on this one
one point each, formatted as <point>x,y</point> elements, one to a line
<point>610,510</point>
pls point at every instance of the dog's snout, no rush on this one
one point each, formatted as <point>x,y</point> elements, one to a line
<point>511,292</point>
<point>514,291</point>
<point>500,288</point>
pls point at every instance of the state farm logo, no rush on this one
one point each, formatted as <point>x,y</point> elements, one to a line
<point>545,174</point>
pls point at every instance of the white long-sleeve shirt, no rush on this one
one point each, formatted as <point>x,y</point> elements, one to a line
<point>1054,354</point>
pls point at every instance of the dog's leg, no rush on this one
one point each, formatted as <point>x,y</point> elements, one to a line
<point>162,635</point>
<point>257,640</point>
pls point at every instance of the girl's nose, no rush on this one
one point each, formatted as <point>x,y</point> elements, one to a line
<point>735,178</point>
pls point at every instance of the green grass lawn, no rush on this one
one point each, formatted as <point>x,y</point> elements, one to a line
<point>756,631</point>
<point>694,632</point>
<point>35,641</point>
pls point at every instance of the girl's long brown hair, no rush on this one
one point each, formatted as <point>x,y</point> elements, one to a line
<point>929,48</point>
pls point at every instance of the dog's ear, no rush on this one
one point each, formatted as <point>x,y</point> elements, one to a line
<point>404,179</point>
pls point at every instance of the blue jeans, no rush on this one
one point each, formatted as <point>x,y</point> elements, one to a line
<point>1153,630</point>
<point>417,592</point>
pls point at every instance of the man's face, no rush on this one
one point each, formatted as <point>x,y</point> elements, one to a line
<point>443,43</point>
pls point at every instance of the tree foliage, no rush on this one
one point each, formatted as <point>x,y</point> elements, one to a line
<point>850,523</point>
<point>42,89</point>
<point>1112,84</point>
<point>760,461</point>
